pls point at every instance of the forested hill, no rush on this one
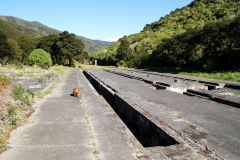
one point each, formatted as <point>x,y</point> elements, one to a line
<point>199,35</point>
<point>36,29</point>
<point>10,30</point>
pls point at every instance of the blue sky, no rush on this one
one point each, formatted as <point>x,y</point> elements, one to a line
<point>95,19</point>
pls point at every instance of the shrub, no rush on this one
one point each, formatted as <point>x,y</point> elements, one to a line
<point>40,58</point>
<point>122,63</point>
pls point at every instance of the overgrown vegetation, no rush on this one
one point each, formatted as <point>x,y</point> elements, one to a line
<point>15,27</point>
<point>15,106</point>
<point>23,95</point>
<point>231,76</point>
<point>64,49</point>
<point>40,58</point>
<point>203,35</point>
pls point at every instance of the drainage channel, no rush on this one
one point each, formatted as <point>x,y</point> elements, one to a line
<point>145,131</point>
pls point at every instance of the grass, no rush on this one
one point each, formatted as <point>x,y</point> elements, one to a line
<point>236,92</point>
<point>137,150</point>
<point>179,117</point>
<point>17,71</point>
<point>12,112</point>
<point>25,96</point>
<point>96,153</point>
<point>4,82</point>
<point>90,66</point>
<point>35,75</point>
<point>5,136</point>
<point>15,113</point>
<point>230,76</point>
<point>16,75</point>
<point>168,70</point>
<point>43,94</point>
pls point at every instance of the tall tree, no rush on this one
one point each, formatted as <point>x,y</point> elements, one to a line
<point>27,46</point>
<point>124,51</point>
<point>68,48</point>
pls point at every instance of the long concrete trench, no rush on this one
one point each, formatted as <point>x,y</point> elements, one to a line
<point>121,118</point>
<point>214,126</point>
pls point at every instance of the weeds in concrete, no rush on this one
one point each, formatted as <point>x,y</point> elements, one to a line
<point>137,150</point>
<point>43,94</point>
<point>16,75</point>
<point>96,153</point>
<point>15,101</point>
<point>35,75</point>
<point>236,93</point>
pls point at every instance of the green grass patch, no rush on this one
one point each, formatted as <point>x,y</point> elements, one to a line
<point>179,117</point>
<point>90,66</point>
<point>12,112</point>
<point>17,75</point>
<point>96,153</point>
<point>25,96</point>
<point>43,94</point>
<point>236,93</point>
<point>168,70</point>
<point>230,76</point>
<point>35,75</point>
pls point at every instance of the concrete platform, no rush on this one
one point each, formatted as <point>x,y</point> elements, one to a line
<point>215,90</point>
<point>211,125</point>
<point>36,85</point>
<point>66,127</point>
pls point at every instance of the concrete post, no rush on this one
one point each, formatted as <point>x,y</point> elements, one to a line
<point>95,63</point>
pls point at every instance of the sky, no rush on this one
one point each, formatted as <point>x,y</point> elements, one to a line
<point>95,19</point>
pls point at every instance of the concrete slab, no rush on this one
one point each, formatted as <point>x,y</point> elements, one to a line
<point>66,127</point>
<point>193,86</point>
<point>212,125</point>
<point>77,152</point>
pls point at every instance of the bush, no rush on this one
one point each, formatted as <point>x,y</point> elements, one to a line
<point>40,58</point>
<point>122,63</point>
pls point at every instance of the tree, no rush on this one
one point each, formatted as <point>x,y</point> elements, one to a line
<point>27,46</point>
<point>16,52</point>
<point>124,51</point>
<point>67,48</point>
<point>47,43</point>
<point>5,48</point>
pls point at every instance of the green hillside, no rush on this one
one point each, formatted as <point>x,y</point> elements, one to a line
<point>26,26</point>
<point>93,45</point>
<point>36,30</point>
<point>151,44</point>
<point>10,30</point>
